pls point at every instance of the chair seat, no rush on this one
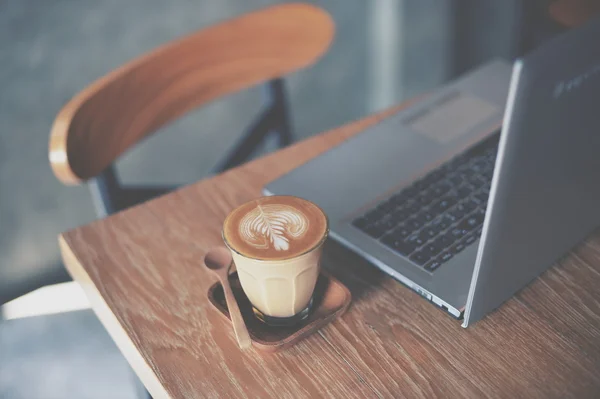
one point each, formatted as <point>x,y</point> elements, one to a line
<point>67,355</point>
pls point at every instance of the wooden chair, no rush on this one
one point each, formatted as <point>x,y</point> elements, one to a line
<point>120,109</point>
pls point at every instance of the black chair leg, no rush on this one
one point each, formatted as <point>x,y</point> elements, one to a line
<point>105,190</point>
<point>273,119</point>
<point>249,142</point>
<point>276,95</point>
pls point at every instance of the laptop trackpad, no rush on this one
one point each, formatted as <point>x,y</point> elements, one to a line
<point>452,116</point>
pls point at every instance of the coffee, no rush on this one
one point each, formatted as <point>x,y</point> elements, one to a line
<point>277,227</point>
<point>276,246</point>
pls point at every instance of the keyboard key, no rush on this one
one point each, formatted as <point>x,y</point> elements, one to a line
<point>427,251</point>
<point>445,257</point>
<point>432,178</point>
<point>401,232</point>
<point>402,204</point>
<point>469,239</point>
<point>427,216</point>
<point>420,258</point>
<point>432,265</point>
<point>476,181</point>
<point>479,165</point>
<point>389,239</point>
<point>419,185</point>
<point>425,198</point>
<point>464,190</point>
<point>374,215</point>
<point>445,241</point>
<point>433,248</point>
<point>481,197</point>
<point>375,230</point>
<point>390,242</point>
<point>480,213</point>
<point>456,180</point>
<point>436,175</point>
<point>415,240</point>
<point>402,247</point>
<point>465,170</point>
<point>442,223</point>
<point>428,233</point>
<point>453,219</point>
<point>410,191</point>
<point>414,223</point>
<point>471,221</point>
<point>436,228</point>
<point>458,247</point>
<point>458,212</point>
<point>469,205</point>
<point>459,160</point>
<point>458,233</point>
<point>388,224</point>
<point>400,215</point>
<point>400,196</point>
<point>423,217</point>
<point>386,206</point>
<point>443,204</point>
<point>441,189</point>
<point>413,208</point>
<point>361,222</point>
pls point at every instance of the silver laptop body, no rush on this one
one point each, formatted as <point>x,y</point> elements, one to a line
<point>544,196</point>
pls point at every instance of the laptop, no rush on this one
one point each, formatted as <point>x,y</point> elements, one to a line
<point>470,194</point>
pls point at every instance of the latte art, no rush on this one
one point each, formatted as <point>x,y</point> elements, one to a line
<point>272,226</point>
<point>275,227</point>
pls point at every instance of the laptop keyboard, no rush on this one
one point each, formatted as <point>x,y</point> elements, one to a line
<point>439,215</point>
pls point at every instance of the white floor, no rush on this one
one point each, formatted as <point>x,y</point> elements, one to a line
<point>67,355</point>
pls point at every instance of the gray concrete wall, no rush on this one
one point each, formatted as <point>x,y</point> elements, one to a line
<point>385,50</point>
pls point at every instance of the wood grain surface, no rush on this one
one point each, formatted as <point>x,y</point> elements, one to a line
<point>142,271</point>
<point>123,107</point>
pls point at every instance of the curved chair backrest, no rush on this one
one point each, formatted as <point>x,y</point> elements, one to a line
<point>115,112</point>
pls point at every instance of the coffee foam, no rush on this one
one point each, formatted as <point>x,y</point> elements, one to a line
<point>277,227</point>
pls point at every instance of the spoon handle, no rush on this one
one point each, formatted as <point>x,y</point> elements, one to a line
<point>239,326</point>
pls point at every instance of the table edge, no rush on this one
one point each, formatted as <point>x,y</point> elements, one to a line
<point>110,321</point>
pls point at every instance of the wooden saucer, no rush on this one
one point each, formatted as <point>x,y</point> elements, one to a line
<point>331,299</point>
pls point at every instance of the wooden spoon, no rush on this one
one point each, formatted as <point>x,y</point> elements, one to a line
<point>219,261</point>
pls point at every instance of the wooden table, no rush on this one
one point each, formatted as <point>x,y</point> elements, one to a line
<point>143,274</point>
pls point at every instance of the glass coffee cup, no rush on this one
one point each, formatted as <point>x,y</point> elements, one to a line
<point>276,243</point>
